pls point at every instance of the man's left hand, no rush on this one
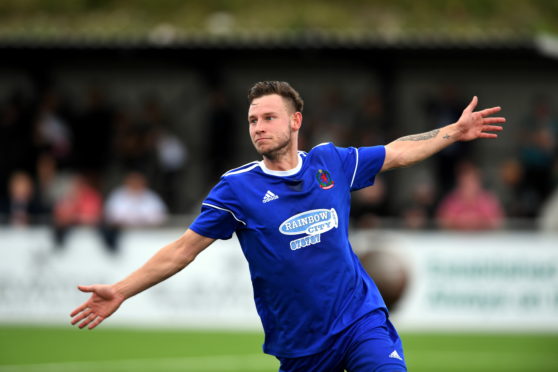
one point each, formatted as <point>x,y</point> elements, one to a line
<point>477,124</point>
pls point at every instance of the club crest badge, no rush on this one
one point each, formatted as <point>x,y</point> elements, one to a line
<point>324,179</point>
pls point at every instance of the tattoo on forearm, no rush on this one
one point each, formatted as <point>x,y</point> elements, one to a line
<point>421,136</point>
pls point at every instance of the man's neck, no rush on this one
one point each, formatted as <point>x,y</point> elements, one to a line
<point>285,162</point>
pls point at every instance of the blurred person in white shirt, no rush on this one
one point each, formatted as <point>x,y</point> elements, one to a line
<point>134,204</point>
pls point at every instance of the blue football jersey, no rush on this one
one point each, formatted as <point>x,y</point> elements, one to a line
<point>293,229</point>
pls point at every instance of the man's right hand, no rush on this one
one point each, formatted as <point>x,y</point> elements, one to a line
<point>103,302</point>
<point>106,299</point>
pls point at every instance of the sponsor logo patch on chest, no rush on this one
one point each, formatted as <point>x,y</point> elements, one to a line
<point>313,223</point>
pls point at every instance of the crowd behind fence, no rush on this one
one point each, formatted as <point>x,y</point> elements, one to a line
<point>86,160</point>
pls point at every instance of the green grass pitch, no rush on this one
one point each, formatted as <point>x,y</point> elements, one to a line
<point>112,349</point>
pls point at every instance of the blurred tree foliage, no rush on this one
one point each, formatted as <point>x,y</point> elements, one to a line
<point>168,20</point>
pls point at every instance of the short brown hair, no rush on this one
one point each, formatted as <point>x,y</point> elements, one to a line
<point>282,88</point>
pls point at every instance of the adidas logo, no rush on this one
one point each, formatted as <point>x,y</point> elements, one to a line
<point>269,196</point>
<point>395,355</point>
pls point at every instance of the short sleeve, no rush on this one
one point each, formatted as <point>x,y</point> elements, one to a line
<point>362,165</point>
<point>220,214</point>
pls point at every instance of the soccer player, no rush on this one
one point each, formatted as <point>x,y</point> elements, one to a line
<point>319,309</point>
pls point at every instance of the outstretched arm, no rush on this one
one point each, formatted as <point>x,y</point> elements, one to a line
<point>409,150</point>
<point>106,299</point>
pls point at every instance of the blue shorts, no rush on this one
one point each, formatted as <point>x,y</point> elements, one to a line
<point>370,345</point>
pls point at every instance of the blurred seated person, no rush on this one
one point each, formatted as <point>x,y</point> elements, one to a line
<point>80,205</point>
<point>21,207</point>
<point>537,156</point>
<point>134,204</point>
<point>469,206</point>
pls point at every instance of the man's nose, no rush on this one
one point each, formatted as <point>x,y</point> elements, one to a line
<point>259,127</point>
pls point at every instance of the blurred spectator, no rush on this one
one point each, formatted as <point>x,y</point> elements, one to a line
<point>418,213</point>
<point>221,133</point>
<point>134,205</point>
<point>370,122</point>
<point>370,205</point>
<point>52,134</point>
<point>51,181</point>
<point>22,206</point>
<point>172,156</point>
<point>93,132</point>
<point>80,205</point>
<point>469,206</point>
<point>537,156</point>
<point>511,174</point>
<point>16,144</point>
<point>135,140</point>
<point>168,150</point>
<point>334,120</point>
<point>549,217</point>
<point>444,109</point>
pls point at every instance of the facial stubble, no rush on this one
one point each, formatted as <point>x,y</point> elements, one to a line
<point>279,150</point>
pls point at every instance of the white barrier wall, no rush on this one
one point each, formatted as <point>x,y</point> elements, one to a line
<point>492,281</point>
<point>38,284</point>
<point>497,281</point>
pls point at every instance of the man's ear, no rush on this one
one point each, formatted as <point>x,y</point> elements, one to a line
<point>296,121</point>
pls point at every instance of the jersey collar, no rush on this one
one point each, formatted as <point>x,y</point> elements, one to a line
<point>286,173</point>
